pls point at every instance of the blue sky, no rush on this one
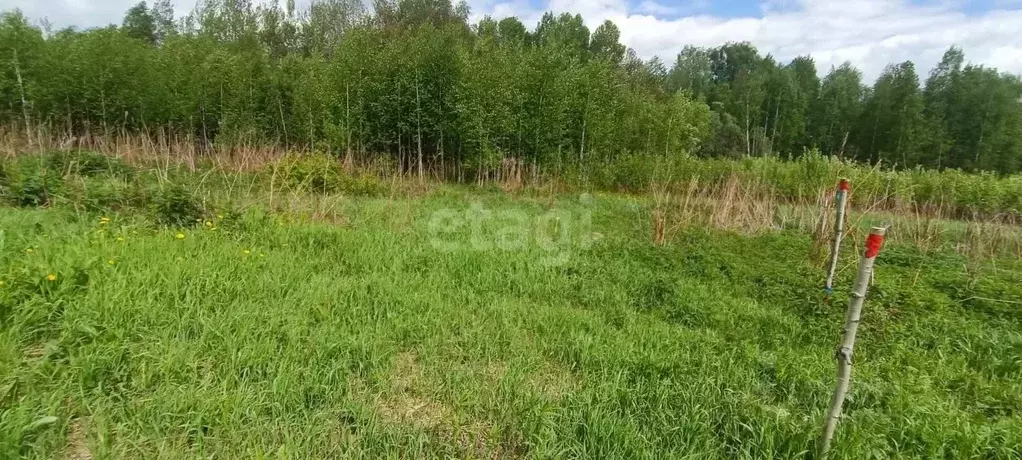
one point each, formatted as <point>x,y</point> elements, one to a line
<point>868,33</point>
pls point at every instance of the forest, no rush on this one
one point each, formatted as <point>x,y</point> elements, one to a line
<point>414,83</point>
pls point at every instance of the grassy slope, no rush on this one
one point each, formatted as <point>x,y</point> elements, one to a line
<point>365,340</point>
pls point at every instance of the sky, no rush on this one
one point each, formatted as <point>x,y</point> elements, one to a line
<point>868,33</point>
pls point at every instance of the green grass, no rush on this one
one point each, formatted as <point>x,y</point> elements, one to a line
<point>270,335</point>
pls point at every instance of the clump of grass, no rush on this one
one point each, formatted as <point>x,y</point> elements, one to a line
<point>323,174</point>
<point>102,194</point>
<point>176,205</point>
<point>87,163</point>
<point>27,182</point>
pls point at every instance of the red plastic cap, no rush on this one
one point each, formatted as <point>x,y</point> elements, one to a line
<point>873,245</point>
<point>843,185</point>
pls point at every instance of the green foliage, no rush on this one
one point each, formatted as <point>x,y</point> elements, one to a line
<point>88,164</point>
<point>102,194</point>
<point>258,334</point>
<point>413,83</point>
<point>318,173</point>
<point>176,205</point>
<point>321,173</point>
<point>140,24</point>
<point>361,184</point>
<point>28,182</point>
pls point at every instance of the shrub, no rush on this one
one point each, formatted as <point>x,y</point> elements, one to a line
<point>176,205</point>
<point>29,183</point>
<point>318,172</point>
<point>360,185</point>
<point>87,163</point>
<point>105,194</point>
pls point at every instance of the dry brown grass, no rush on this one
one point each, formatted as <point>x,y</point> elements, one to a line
<point>552,381</point>
<point>407,401</point>
<point>734,205</point>
<point>77,449</point>
<point>746,207</point>
<point>35,351</point>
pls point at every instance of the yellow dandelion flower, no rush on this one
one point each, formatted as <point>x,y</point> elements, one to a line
<point>111,262</point>
<point>104,219</point>
<point>51,277</point>
<point>209,224</point>
<point>30,250</point>
<point>180,236</point>
<point>247,252</point>
<point>220,216</point>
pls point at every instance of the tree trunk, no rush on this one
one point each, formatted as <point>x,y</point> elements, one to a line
<point>777,114</point>
<point>748,139</point>
<point>24,101</point>
<point>873,140</point>
<point>283,124</point>
<point>582,149</point>
<point>418,127</point>
<point>667,142</point>
<point>348,159</point>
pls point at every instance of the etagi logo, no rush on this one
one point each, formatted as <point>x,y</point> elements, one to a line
<point>554,235</point>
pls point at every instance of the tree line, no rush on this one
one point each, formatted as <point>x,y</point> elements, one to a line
<point>414,82</point>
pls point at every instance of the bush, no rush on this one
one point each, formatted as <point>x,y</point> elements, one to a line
<point>175,205</point>
<point>320,173</point>
<point>28,183</point>
<point>360,185</point>
<point>88,164</point>
<point>101,193</point>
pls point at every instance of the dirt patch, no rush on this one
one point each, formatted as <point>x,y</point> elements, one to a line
<point>480,441</point>
<point>408,401</point>
<point>495,371</point>
<point>76,442</point>
<point>412,410</point>
<point>407,372</point>
<point>35,351</point>
<point>552,381</point>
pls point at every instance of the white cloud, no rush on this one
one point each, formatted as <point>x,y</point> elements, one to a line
<point>869,33</point>
<point>658,9</point>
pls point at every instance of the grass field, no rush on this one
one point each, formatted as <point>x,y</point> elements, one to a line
<point>477,324</point>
